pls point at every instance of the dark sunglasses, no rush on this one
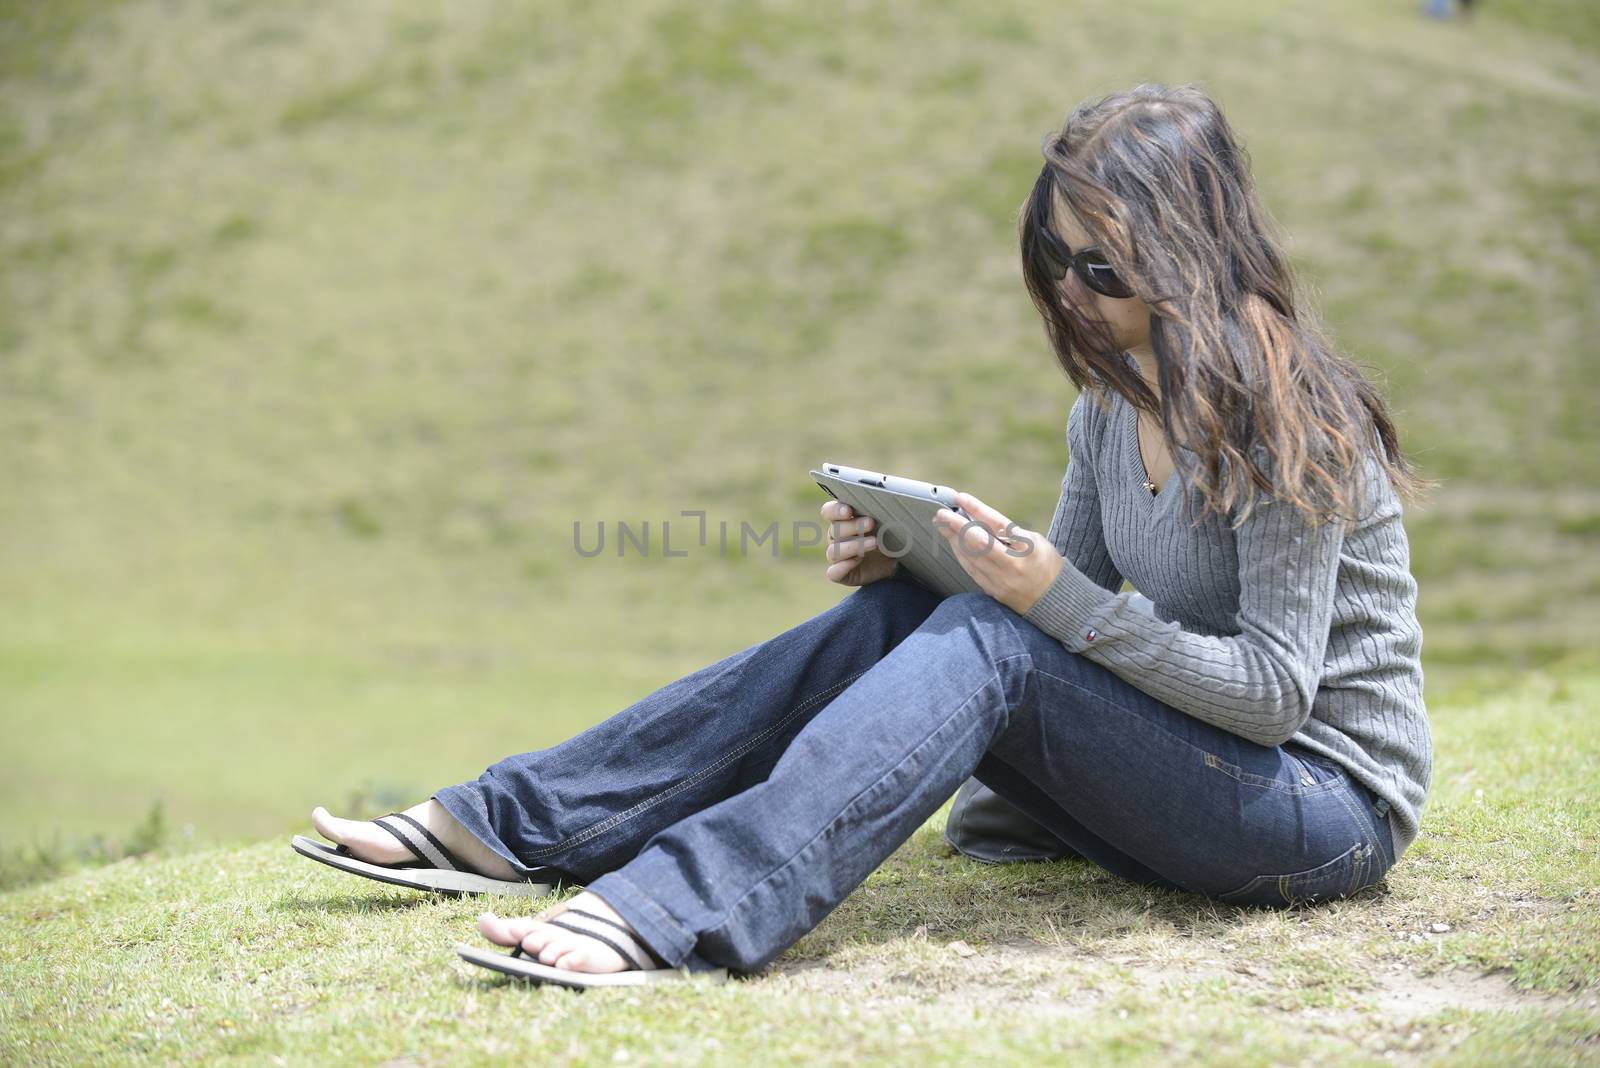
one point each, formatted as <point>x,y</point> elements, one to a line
<point>1090,264</point>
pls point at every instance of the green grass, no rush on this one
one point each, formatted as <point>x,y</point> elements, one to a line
<point>253,954</point>
<point>320,326</point>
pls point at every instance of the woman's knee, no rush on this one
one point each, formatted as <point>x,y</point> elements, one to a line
<point>893,596</point>
<point>1003,630</point>
<point>970,603</point>
<point>865,614</point>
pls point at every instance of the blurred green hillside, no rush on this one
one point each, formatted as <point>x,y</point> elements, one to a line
<point>321,325</point>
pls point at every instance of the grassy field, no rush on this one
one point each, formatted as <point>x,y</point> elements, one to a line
<point>1482,947</point>
<point>324,324</point>
<point>321,326</point>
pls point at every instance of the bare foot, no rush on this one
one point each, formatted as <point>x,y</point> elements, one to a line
<point>557,946</point>
<point>369,842</point>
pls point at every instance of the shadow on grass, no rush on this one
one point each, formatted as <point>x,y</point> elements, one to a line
<point>478,979</point>
<point>928,891</point>
<point>350,904</point>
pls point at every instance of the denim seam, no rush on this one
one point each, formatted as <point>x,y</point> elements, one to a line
<point>1284,882</point>
<point>1206,755</point>
<point>481,810</point>
<point>1372,840</point>
<point>1362,825</point>
<point>1263,782</point>
<point>1387,816</point>
<point>1372,821</point>
<point>1248,885</point>
<point>656,913</point>
<point>733,907</point>
<point>684,784</point>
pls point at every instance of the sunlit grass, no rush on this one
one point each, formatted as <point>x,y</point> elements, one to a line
<point>254,953</point>
<point>320,326</point>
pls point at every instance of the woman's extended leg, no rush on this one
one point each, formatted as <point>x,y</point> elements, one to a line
<point>587,805</point>
<point>1161,794</point>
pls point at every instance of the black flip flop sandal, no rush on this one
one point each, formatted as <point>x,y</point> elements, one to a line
<point>435,868</point>
<point>644,966</point>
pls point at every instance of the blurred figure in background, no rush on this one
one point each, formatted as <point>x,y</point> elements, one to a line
<point>1447,9</point>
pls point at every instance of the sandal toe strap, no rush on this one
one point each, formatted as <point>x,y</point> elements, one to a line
<point>344,851</point>
<point>421,842</point>
<point>640,957</point>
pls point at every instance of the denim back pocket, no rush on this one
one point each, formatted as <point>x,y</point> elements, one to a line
<point>1306,777</point>
<point>1366,805</point>
<point>1339,877</point>
<point>1318,782</point>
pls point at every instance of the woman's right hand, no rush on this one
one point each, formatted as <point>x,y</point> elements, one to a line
<point>853,553</point>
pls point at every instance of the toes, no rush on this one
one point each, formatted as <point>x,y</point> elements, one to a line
<point>540,941</point>
<point>575,959</point>
<point>505,932</point>
<point>342,831</point>
<point>587,956</point>
<point>544,944</point>
<point>327,825</point>
<point>363,838</point>
<point>554,946</point>
<point>563,949</point>
<point>496,930</point>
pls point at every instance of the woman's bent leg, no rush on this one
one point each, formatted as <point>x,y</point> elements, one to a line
<point>587,805</point>
<point>1162,798</point>
<point>1186,803</point>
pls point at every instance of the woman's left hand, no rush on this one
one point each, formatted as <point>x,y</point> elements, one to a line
<point>1017,574</point>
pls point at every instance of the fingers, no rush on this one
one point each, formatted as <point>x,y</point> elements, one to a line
<point>851,548</point>
<point>836,510</point>
<point>969,537</point>
<point>849,541</point>
<point>849,536</point>
<point>843,520</point>
<point>848,528</point>
<point>947,524</point>
<point>974,537</point>
<point>840,572</point>
<point>851,527</point>
<point>975,508</point>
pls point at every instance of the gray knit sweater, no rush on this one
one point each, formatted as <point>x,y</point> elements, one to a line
<point>1272,631</point>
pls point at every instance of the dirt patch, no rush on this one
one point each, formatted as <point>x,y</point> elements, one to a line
<point>1406,995</point>
<point>1048,982</point>
<point>1066,982</point>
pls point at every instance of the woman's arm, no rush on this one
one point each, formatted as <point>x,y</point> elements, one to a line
<point>1258,684</point>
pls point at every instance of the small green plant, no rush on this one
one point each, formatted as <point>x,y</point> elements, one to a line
<point>376,799</point>
<point>39,861</point>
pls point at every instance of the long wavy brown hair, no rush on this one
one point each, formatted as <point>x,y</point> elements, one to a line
<point>1250,384</point>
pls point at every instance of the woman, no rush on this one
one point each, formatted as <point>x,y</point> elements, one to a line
<point>1260,737</point>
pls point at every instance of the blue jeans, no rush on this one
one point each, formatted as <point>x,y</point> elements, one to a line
<point>725,814</point>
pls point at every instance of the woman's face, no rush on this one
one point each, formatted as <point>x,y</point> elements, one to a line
<point>1128,318</point>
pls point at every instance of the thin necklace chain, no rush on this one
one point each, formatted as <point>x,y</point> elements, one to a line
<point>1150,487</point>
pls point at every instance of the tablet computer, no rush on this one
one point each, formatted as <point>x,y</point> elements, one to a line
<point>903,509</point>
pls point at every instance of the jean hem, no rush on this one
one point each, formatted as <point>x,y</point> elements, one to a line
<point>670,940</point>
<point>465,803</point>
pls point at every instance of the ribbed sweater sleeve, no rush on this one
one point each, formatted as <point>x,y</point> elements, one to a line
<point>1258,683</point>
